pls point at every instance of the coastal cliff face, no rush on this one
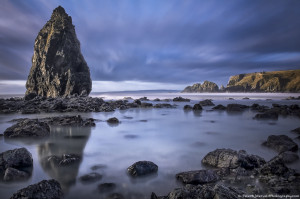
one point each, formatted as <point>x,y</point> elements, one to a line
<point>275,81</point>
<point>207,86</point>
<point>58,67</point>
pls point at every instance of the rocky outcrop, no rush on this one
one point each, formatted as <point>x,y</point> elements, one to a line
<point>275,81</point>
<point>58,67</point>
<point>15,164</point>
<point>142,168</point>
<point>46,189</point>
<point>207,86</point>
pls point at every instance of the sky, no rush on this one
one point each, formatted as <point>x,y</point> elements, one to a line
<point>168,44</point>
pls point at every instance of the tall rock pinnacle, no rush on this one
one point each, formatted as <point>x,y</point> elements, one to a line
<point>58,67</point>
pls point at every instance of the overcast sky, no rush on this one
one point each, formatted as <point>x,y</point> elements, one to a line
<point>174,42</point>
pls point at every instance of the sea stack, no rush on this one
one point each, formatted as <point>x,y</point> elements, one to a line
<point>58,67</point>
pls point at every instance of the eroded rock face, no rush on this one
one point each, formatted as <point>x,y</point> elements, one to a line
<point>58,67</point>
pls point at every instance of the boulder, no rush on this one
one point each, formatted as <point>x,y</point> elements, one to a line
<point>197,107</point>
<point>219,107</point>
<point>187,107</point>
<point>198,177</point>
<point>274,167</point>
<point>91,177</point>
<point>28,128</point>
<point>228,158</point>
<point>206,102</point>
<point>113,120</point>
<point>17,158</point>
<point>46,189</point>
<point>222,158</point>
<point>58,67</point>
<point>142,168</point>
<point>281,143</point>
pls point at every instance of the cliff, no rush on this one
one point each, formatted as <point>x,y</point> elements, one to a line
<point>58,67</point>
<point>207,86</point>
<point>275,81</point>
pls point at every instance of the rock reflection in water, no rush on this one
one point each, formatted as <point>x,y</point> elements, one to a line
<point>61,142</point>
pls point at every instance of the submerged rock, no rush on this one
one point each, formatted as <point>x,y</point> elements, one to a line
<point>187,107</point>
<point>181,99</point>
<point>198,177</point>
<point>58,67</point>
<point>91,177</point>
<point>207,102</point>
<point>12,174</point>
<point>27,128</point>
<point>106,187</point>
<point>142,168</point>
<point>113,120</point>
<point>236,107</point>
<point>64,160</point>
<point>267,115</point>
<point>197,107</point>
<point>219,107</point>
<point>281,143</point>
<point>46,189</point>
<point>296,130</point>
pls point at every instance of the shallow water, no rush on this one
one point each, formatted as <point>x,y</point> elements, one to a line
<point>174,139</point>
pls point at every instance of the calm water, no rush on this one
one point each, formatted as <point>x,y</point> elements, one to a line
<point>174,139</point>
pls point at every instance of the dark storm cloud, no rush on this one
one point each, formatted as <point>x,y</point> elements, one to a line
<point>161,41</point>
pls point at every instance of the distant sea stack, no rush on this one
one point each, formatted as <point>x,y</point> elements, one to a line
<point>58,67</point>
<point>275,81</point>
<point>207,86</point>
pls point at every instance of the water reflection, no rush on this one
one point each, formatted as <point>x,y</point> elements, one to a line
<point>63,140</point>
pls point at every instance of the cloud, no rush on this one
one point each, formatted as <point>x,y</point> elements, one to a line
<point>175,42</point>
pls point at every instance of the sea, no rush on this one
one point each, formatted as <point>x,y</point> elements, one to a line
<point>174,139</point>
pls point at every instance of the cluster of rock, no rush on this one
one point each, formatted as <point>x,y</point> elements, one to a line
<point>73,104</point>
<point>227,168</point>
<point>207,86</point>
<point>58,67</point>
